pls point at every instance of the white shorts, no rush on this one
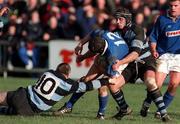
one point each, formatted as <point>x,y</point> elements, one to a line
<point>168,62</point>
<point>121,68</point>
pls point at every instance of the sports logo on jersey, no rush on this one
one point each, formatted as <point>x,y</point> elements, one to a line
<point>173,33</point>
<point>169,26</point>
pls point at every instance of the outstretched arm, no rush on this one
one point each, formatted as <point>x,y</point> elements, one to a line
<point>88,54</point>
<point>79,47</point>
<point>129,58</point>
<point>92,85</point>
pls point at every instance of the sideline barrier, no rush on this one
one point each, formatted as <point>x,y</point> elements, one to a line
<point>3,65</point>
<point>59,51</point>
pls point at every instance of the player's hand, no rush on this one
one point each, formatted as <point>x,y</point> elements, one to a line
<point>116,65</point>
<point>82,79</point>
<point>155,54</point>
<point>78,49</point>
<point>79,58</point>
<point>112,80</point>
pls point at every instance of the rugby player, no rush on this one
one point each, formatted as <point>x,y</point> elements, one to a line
<point>108,47</point>
<point>51,87</point>
<point>165,48</point>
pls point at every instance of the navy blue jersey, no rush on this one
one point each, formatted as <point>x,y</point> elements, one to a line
<point>166,33</point>
<point>51,87</point>
<point>116,48</point>
<point>136,39</point>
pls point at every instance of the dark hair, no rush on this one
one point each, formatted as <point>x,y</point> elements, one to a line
<point>123,12</point>
<point>63,68</point>
<point>96,45</point>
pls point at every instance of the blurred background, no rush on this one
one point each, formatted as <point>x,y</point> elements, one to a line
<point>39,34</point>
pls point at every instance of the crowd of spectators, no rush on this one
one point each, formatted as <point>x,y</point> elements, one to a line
<point>31,21</point>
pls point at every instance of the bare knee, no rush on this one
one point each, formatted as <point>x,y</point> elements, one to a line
<point>116,84</point>
<point>3,97</point>
<point>172,88</point>
<point>150,83</point>
<point>103,91</point>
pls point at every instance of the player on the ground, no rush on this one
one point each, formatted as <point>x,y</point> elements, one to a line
<point>108,47</point>
<point>51,87</point>
<point>165,48</point>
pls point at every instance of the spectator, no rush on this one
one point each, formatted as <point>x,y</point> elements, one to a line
<point>11,50</point>
<point>33,31</point>
<point>51,31</point>
<point>102,20</point>
<point>86,18</point>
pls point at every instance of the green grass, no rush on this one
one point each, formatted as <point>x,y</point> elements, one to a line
<point>84,111</point>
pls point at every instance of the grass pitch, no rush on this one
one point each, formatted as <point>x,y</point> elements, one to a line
<point>84,111</point>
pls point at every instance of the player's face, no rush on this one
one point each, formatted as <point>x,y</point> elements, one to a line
<point>121,22</point>
<point>174,8</point>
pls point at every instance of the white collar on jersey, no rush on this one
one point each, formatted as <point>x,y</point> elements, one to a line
<point>173,18</point>
<point>105,48</point>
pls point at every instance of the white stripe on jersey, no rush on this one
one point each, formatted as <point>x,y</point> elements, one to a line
<point>82,86</point>
<point>137,43</point>
<point>37,101</point>
<point>56,97</point>
<point>96,84</point>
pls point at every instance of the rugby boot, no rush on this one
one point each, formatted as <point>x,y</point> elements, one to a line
<point>64,109</point>
<point>122,113</point>
<point>144,110</point>
<point>166,118</point>
<point>157,115</point>
<point>100,116</point>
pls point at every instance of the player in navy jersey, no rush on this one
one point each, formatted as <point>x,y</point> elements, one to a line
<point>115,48</point>
<point>165,48</point>
<point>141,64</point>
<point>51,87</point>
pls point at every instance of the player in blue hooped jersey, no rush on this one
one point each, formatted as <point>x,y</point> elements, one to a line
<point>108,47</point>
<point>51,87</point>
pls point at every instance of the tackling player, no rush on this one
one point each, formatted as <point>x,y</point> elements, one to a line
<point>51,87</point>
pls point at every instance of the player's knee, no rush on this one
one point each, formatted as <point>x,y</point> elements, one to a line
<point>150,83</point>
<point>103,91</point>
<point>3,98</point>
<point>173,86</point>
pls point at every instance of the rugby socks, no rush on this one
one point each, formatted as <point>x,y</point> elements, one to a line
<point>75,97</point>
<point>158,100</point>
<point>120,100</point>
<point>168,98</point>
<point>103,100</point>
<point>4,110</point>
<point>148,100</point>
